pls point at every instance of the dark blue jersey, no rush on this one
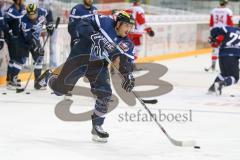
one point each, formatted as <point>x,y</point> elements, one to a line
<point>77,13</point>
<point>230,45</point>
<point>106,26</point>
<point>1,26</point>
<point>13,19</point>
<point>32,30</point>
<point>1,21</point>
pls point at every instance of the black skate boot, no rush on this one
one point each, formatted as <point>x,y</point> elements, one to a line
<point>41,82</point>
<point>216,88</point>
<point>14,83</point>
<point>99,135</point>
<point>212,89</point>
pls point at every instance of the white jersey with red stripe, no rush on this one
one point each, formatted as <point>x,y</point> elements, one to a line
<point>221,17</point>
<point>139,16</point>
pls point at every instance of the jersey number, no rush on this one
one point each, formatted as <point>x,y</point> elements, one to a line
<point>234,37</point>
<point>74,11</point>
<point>219,18</point>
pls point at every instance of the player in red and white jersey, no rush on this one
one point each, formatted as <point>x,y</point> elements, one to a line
<point>220,16</point>
<point>140,27</point>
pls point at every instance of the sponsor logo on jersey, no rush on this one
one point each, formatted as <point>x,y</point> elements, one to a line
<point>124,46</point>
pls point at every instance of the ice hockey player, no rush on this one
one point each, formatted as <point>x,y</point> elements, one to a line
<point>1,31</point>
<point>140,27</point>
<point>29,39</point>
<point>77,13</point>
<point>12,30</point>
<point>228,38</point>
<point>220,16</point>
<point>99,35</point>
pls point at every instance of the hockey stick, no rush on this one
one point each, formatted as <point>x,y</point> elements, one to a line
<point>173,141</point>
<point>207,69</point>
<point>19,90</point>
<point>56,26</point>
<point>150,101</point>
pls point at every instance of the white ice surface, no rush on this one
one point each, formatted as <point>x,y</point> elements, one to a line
<point>29,129</point>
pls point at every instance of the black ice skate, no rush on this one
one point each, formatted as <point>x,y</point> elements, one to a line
<point>41,82</point>
<point>212,89</point>
<point>216,88</point>
<point>99,135</point>
<point>14,83</point>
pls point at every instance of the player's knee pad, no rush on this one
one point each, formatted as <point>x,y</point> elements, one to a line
<point>52,81</point>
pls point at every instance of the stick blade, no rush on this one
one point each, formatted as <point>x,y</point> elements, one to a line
<point>153,101</point>
<point>19,90</point>
<point>206,69</point>
<point>183,143</point>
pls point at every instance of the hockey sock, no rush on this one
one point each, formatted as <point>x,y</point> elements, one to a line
<point>15,69</point>
<point>37,73</point>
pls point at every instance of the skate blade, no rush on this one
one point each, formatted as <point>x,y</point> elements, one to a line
<point>96,138</point>
<point>41,89</point>
<point>12,88</point>
<point>211,93</point>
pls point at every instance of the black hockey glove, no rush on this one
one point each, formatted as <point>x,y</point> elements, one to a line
<point>50,28</point>
<point>10,34</point>
<point>150,32</point>
<point>128,83</point>
<point>211,40</point>
<point>41,51</point>
<point>216,42</point>
<point>37,48</point>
